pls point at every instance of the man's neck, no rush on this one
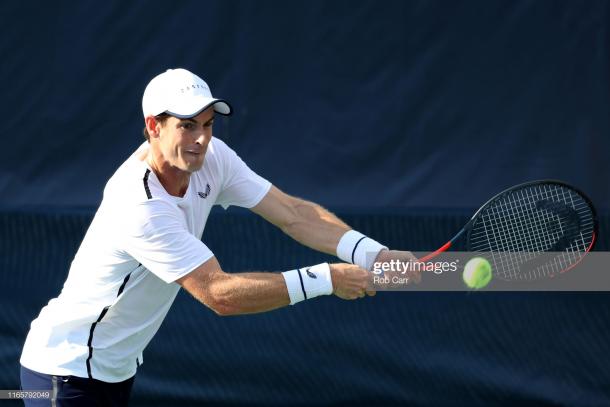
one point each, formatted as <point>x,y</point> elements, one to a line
<point>174,181</point>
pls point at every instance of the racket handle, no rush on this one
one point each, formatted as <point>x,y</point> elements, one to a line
<point>438,251</point>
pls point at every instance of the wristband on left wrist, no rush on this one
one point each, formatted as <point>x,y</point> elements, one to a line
<point>359,249</point>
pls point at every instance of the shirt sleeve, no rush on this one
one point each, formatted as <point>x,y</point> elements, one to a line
<point>240,186</point>
<point>157,237</point>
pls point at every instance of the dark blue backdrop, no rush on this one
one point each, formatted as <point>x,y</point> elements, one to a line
<point>349,103</point>
<point>395,113</point>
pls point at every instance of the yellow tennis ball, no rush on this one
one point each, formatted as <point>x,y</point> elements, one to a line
<point>477,273</point>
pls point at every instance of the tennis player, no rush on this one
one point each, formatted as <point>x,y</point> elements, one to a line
<point>144,244</point>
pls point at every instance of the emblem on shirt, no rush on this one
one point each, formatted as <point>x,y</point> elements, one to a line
<point>206,193</point>
<point>310,274</point>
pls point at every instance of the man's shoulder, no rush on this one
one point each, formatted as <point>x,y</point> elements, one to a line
<point>220,156</point>
<point>217,143</point>
<point>132,182</point>
<point>217,156</point>
<point>221,150</point>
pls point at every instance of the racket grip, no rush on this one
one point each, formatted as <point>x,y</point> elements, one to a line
<point>435,253</point>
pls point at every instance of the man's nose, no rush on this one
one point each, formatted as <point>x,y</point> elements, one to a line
<point>200,138</point>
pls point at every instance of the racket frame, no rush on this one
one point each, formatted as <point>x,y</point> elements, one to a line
<point>467,228</point>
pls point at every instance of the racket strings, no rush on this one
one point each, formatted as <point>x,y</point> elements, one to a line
<point>517,228</point>
<point>532,231</point>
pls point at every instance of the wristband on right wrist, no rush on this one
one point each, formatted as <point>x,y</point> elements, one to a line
<point>308,282</point>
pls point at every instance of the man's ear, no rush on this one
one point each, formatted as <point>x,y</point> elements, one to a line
<point>152,126</point>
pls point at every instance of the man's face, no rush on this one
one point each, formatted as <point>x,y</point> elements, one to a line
<point>184,142</point>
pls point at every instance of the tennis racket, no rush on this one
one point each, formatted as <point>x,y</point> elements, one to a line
<point>531,231</point>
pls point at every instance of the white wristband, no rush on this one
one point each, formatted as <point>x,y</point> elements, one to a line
<point>308,282</point>
<point>356,248</point>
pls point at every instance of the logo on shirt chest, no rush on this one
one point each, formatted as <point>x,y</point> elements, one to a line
<point>206,193</point>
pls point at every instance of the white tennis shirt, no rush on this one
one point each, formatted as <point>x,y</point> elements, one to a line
<point>121,283</point>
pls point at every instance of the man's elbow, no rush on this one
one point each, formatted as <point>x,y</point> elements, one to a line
<point>299,213</point>
<point>289,227</point>
<point>212,287</point>
<point>223,310</point>
<point>221,304</point>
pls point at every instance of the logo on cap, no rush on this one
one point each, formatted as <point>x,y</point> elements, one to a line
<point>194,86</point>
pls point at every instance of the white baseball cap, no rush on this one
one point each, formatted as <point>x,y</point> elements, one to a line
<point>180,93</point>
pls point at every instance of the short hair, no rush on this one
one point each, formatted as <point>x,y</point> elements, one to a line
<point>161,118</point>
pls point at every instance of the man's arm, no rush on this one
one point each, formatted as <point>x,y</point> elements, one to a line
<point>306,222</point>
<point>315,227</point>
<point>247,293</point>
<point>232,294</point>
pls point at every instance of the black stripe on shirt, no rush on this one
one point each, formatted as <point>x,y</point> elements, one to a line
<point>145,179</point>
<point>104,311</point>
<point>124,283</point>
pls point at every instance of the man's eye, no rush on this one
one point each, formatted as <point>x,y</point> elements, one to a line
<point>187,125</point>
<point>209,124</point>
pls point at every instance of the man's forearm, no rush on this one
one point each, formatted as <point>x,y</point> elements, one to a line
<point>247,293</point>
<point>315,227</point>
<point>252,292</point>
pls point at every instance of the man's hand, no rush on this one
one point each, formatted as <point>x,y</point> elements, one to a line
<point>350,281</point>
<point>397,262</point>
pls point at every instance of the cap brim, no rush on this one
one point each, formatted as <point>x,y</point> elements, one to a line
<point>221,106</point>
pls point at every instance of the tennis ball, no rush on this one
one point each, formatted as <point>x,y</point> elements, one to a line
<point>477,273</point>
